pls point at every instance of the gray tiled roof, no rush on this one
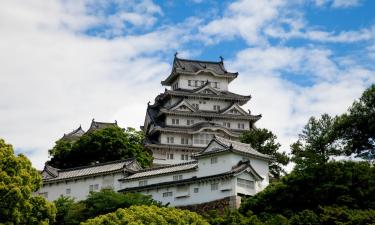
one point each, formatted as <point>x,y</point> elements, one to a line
<point>229,145</point>
<point>63,174</point>
<point>100,125</point>
<point>222,95</point>
<point>188,66</point>
<point>163,170</point>
<point>74,135</point>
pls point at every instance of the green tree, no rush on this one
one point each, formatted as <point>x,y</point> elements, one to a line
<point>232,217</point>
<point>357,127</point>
<point>63,205</point>
<point>317,142</point>
<point>344,216</point>
<point>350,184</point>
<point>97,203</point>
<point>265,142</point>
<point>108,144</point>
<point>18,181</point>
<point>142,215</point>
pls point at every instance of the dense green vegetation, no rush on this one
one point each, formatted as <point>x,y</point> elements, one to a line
<point>18,180</point>
<point>108,144</point>
<point>97,203</point>
<point>265,142</point>
<point>142,215</point>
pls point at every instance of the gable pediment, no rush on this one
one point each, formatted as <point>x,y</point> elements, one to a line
<point>208,90</point>
<point>183,106</point>
<point>235,110</point>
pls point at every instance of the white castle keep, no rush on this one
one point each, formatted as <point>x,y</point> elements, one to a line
<point>193,131</point>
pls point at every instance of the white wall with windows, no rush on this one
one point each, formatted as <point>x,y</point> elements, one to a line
<point>80,188</point>
<point>193,82</point>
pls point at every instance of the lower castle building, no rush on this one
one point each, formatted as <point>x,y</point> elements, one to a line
<point>224,169</point>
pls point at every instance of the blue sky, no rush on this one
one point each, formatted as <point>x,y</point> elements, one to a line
<point>65,62</point>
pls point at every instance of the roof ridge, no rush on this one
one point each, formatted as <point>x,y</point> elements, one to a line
<point>199,61</point>
<point>167,166</point>
<point>95,165</point>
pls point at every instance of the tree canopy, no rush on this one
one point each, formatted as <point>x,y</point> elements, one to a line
<point>357,127</point>
<point>18,181</point>
<point>104,145</point>
<point>265,142</point>
<point>97,203</point>
<point>143,215</point>
<point>317,142</point>
<point>350,184</point>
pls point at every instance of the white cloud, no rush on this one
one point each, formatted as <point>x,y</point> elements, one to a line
<point>54,79</point>
<point>244,19</point>
<point>338,3</point>
<point>286,106</point>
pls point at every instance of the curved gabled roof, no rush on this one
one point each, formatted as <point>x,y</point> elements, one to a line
<point>74,135</point>
<point>100,125</point>
<point>230,145</point>
<point>194,67</point>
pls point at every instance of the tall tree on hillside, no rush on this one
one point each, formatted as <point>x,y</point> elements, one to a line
<point>18,181</point>
<point>265,142</point>
<point>357,127</point>
<point>107,144</point>
<point>317,142</point>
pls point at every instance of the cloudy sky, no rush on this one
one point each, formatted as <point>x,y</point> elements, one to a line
<point>64,62</point>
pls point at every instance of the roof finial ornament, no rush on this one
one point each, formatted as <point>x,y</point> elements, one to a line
<point>175,54</point>
<point>116,122</point>
<point>249,111</point>
<point>93,120</point>
<point>221,59</point>
<point>149,102</point>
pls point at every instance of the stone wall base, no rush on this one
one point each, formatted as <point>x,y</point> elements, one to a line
<point>232,202</point>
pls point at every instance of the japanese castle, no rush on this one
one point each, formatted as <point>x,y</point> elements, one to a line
<point>193,131</point>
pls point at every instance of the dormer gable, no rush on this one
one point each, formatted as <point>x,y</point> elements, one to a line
<point>207,89</point>
<point>235,109</point>
<point>183,105</point>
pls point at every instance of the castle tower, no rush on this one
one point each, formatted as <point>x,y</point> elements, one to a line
<point>197,106</point>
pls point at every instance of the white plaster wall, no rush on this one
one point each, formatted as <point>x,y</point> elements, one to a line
<point>157,179</point>
<point>160,156</point>
<point>183,120</point>
<point>233,123</point>
<point>209,104</point>
<point>183,81</point>
<point>80,187</point>
<point>205,194</point>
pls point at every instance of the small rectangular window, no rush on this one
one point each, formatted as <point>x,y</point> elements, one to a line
<point>177,177</point>
<point>217,107</point>
<point>214,186</point>
<point>170,140</point>
<point>226,124</point>
<point>196,83</point>
<point>169,156</point>
<point>167,194</point>
<point>213,160</point>
<point>245,183</point>
<point>196,190</point>
<point>202,82</point>
<point>67,191</point>
<point>189,82</point>
<point>142,183</point>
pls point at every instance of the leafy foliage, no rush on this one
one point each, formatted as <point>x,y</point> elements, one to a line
<point>139,215</point>
<point>350,184</point>
<point>108,144</point>
<point>18,180</point>
<point>265,142</point>
<point>316,143</point>
<point>357,127</point>
<point>97,203</point>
